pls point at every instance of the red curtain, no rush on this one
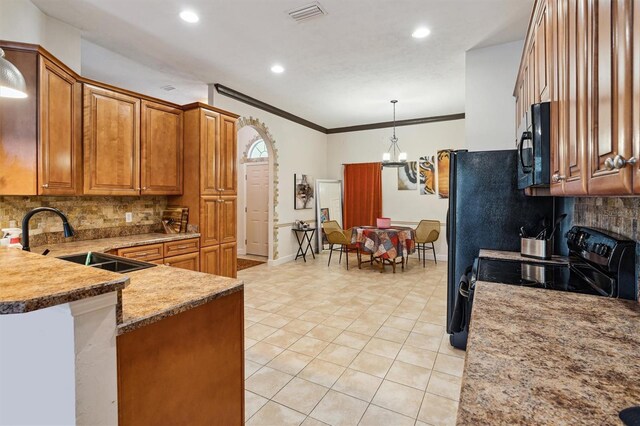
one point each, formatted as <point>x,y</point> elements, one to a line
<point>362,194</point>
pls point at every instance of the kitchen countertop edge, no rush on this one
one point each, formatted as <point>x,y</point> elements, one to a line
<point>37,303</point>
<point>136,323</point>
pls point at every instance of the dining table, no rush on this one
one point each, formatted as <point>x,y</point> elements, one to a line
<point>384,245</point>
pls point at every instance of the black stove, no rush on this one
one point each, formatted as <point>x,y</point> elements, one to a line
<point>548,276</point>
<point>600,263</point>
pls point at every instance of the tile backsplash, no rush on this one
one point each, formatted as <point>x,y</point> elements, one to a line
<point>615,214</point>
<point>91,217</point>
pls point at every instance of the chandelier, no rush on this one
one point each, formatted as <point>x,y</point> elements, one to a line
<point>394,157</point>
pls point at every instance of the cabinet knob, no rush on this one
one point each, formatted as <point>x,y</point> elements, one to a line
<point>620,163</point>
<point>144,188</point>
<point>45,185</point>
<point>138,189</point>
<point>609,164</point>
<point>220,189</point>
<point>557,178</point>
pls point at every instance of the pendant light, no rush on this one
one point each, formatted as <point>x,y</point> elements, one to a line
<point>394,157</point>
<point>12,84</point>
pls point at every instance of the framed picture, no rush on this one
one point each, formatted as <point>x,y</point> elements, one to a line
<point>427,175</point>
<point>408,177</point>
<point>324,214</point>
<point>302,192</point>
<point>443,173</point>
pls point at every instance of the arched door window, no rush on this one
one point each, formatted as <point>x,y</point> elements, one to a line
<point>258,150</point>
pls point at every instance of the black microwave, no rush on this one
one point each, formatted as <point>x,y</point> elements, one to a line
<point>533,149</point>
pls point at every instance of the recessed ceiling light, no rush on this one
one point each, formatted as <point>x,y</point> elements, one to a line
<point>189,16</point>
<point>278,69</point>
<point>421,32</point>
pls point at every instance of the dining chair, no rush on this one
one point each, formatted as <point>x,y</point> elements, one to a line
<point>427,232</point>
<point>337,236</point>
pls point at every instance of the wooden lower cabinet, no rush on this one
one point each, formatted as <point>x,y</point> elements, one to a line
<point>220,260</point>
<point>190,261</point>
<point>210,260</point>
<point>185,369</point>
<point>144,253</point>
<point>228,260</point>
<point>210,220</point>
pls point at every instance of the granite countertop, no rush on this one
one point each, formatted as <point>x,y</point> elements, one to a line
<point>537,356</point>
<point>162,291</point>
<point>514,255</point>
<point>103,245</point>
<point>28,284</point>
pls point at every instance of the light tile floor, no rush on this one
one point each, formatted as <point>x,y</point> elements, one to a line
<point>324,345</point>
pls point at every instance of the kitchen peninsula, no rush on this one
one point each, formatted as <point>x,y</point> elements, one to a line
<point>538,356</point>
<point>97,347</point>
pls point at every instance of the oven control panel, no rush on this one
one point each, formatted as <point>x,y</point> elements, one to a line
<point>597,246</point>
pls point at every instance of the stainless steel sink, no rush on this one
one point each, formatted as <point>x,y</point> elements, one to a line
<point>107,262</point>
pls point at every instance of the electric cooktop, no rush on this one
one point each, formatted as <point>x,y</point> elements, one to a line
<point>572,277</point>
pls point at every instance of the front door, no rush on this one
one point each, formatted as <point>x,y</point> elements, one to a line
<point>258,209</point>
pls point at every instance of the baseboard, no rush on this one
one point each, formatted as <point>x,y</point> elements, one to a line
<point>281,260</point>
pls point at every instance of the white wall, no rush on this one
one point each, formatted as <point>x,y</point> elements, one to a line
<point>300,151</point>
<point>21,20</point>
<point>403,207</point>
<point>490,77</point>
<point>110,67</point>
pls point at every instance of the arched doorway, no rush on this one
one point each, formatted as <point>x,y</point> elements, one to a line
<point>259,156</point>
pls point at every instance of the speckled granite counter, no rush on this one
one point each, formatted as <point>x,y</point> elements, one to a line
<point>514,255</point>
<point>103,245</point>
<point>28,282</point>
<point>163,291</point>
<point>542,357</point>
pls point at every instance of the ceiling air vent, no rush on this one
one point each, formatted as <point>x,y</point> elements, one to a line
<point>307,12</point>
<point>168,88</point>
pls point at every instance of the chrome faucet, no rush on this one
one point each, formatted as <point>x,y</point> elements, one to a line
<point>68,230</point>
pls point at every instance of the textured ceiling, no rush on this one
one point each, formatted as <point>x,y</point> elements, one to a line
<point>341,69</point>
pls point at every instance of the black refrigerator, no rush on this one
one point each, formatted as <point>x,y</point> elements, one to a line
<point>486,210</point>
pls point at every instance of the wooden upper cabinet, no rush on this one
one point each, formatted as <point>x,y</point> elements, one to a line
<point>19,131</point>
<point>555,11</point>
<point>60,136</point>
<point>542,54</point>
<point>636,97</point>
<point>209,152</point>
<point>111,142</point>
<point>575,130</point>
<point>218,150</point>
<point>162,149</point>
<point>228,170</point>
<point>610,97</point>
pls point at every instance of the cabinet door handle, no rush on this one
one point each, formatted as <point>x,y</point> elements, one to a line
<point>620,163</point>
<point>609,164</point>
<point>557,178</point>
<point>45,185</point>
